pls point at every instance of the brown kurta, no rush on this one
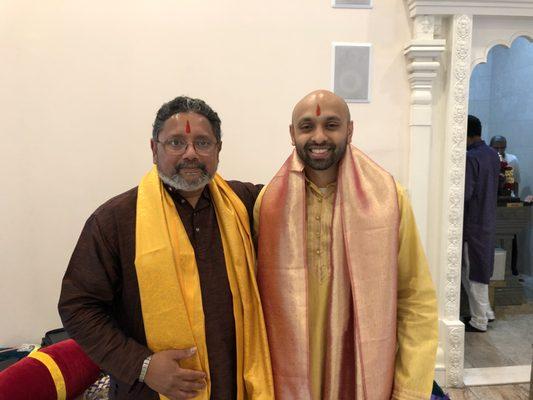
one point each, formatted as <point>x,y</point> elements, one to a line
<point>100,304</point>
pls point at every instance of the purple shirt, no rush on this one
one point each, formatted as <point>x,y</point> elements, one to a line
<point>481,195</point>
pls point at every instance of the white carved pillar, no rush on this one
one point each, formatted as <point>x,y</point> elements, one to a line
<point>422,53</point>
<point>452,330</point>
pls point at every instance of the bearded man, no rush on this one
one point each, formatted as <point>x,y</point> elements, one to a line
<point>160,291</point>
<point>349,303</point>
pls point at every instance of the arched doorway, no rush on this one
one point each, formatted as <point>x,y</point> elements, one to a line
<point>469,30</point>
<point>501,97</point>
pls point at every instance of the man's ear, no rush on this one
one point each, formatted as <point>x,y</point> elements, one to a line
<point>291,130</point>
<point>153,146</point>
<point>350,131</point>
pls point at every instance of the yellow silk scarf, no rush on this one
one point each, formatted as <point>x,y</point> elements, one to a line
<point>170,287</point>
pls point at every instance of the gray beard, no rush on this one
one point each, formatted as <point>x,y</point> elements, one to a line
<point>179,183</point>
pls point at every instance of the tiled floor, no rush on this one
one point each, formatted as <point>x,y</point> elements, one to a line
<point>503,392</point>
<point>508,340</point>
<point>528,287</point>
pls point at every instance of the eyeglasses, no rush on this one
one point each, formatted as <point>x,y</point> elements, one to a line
<point>177,146</point>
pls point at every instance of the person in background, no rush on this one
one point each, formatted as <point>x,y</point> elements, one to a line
<point>479,227</point>
<point>499,143</point>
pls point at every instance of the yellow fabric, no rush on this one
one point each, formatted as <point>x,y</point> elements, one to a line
<point>417,312</point>
<point>55,372</point>
<point>417,305</point>
<point>170,286</point>
<point>319,220</point>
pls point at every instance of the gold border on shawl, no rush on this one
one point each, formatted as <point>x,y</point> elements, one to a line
<point>282,280</point>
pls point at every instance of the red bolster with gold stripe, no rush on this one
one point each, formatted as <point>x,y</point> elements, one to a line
<point>61,371</point>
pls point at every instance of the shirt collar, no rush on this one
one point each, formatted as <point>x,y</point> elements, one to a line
<point>329,189</point>
<point>203,201</point>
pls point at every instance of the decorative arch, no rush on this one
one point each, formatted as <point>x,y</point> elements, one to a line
<point>462,35</point>
<point>499,42</point>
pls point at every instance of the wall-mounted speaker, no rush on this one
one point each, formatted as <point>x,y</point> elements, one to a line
<point>351,3</point>
<point>351,71</point>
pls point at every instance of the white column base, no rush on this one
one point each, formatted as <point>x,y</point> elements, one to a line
<point>453,335</point>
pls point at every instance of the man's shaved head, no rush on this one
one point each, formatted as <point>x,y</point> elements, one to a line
<point>320,131</point>
<point>316,101</point>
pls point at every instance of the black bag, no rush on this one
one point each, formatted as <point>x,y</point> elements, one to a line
<point>54,336</point>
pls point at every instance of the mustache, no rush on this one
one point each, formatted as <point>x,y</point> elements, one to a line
<point>198,165</point>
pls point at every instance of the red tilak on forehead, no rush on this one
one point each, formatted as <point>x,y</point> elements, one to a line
<point>188,127</point>
<point>318,112</point>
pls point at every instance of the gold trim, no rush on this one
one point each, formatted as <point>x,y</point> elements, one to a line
<point>55,372</point>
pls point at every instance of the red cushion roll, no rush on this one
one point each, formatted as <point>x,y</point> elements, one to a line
<point>32,378</point>
<point>28,379</point>
<point>79,372</point>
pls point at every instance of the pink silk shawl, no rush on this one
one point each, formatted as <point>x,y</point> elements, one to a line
<point>361,332</point>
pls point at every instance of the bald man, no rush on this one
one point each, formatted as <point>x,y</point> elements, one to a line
<point>349,303</point>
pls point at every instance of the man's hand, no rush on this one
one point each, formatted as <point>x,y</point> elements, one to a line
<point>165,376</point>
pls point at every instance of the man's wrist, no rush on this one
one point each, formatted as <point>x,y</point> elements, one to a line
<point>144,368</point>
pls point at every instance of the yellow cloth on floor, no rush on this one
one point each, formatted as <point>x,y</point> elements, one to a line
<point>170,289</point>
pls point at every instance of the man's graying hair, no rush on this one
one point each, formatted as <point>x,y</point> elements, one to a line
<point>186,104</point>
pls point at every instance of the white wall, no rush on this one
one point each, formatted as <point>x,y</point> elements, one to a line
<point>511,108</point>
<point>480,96</point>
<point>80,83</point>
